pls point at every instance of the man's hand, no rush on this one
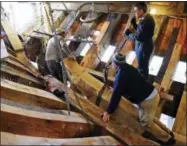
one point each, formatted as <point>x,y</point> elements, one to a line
<point>127,32</point>
<point>105,116</point>
<point>133,21</point>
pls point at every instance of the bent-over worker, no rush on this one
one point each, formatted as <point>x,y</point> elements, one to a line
<point>137,89</point>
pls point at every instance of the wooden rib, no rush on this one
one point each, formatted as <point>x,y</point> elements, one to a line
<point>20,76</point>
<point>91,57</point>
<point>30,96</point>
<point>180,120</point>
<point>13,139</point>
<point>32,123</point>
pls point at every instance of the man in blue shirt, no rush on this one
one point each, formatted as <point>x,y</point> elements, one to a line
<point>142,37</point>
<point>137,89</point>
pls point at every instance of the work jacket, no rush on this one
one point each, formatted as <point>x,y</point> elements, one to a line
<point>130,84</point>
<point>143,36</point>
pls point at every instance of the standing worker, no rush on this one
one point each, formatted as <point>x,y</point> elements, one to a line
<point>133,86</point>
<point>52,55</point>
<point>142,37</point>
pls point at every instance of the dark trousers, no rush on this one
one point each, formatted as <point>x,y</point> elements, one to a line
<point>55,69</point>
<point>143,53</point>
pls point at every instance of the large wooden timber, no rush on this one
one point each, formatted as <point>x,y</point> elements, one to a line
<point>29,95</point>
<point>116,126</point>
<point>17,46</point>
<point>91,56</point>
<point>33,123</point>
<point>167,79</point>
<point>12,62</point>
<point>169,63</point>
<point>180,120</point>
<point>14,139</point>
<point>13,74</point>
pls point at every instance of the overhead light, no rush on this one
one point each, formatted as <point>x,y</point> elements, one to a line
<point>153,11</point>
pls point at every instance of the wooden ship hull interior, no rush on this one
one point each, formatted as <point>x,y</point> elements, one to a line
<point>32,115</point>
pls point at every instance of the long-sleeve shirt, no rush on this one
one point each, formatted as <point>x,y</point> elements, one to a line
<point>52,52</point>
<point>144,30</point>
<point>130,84</point>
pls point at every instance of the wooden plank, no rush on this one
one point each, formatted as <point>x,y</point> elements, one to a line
<point>12,36</point>
<point>102,41</point>
<point>91,57</point>
<point>14,64</point>
<point>14,139</point>
<point>32,123</point>
<point>116,126</point>
<point>180,120</point>
<point>17,45</point>
<point>30,96</point>
<point>167,79</point>
<point>19,76</point>
<point>175,57</point>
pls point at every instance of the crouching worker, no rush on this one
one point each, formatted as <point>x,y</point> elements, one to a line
<point>133,86</point>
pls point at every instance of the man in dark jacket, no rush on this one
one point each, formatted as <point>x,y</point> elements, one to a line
<point>142,37</point>
<point>133,86</point>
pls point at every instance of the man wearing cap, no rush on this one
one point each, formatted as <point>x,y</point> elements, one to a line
<point>142,37</point>
<point>130,84</point>
<point>52,55</point>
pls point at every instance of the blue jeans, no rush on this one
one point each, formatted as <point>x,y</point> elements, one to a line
<point>55,69</point>
<point>143,53</point>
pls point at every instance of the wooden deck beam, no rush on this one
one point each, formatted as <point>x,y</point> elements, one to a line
<point>14,139</point>
<point>29,95</point>
<point>33,123</point>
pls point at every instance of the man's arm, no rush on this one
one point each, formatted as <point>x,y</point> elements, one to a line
<point>116,95</point>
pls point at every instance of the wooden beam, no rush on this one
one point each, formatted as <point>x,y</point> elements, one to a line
<point>14,139</point>
<point>17,46</point>
<point>167,79</point>
<point>16,64</point>
<point>102,41</point>
<point>32,123</point>
<point>117,126</point>
<point>19,76</point>
<point>91,56</point>
<point>12,36</point>
<point>30,96</point>
<point>180,140</point>
<point>180,120</point>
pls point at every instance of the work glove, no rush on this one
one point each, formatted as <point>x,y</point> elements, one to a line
<point>127,32</point>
